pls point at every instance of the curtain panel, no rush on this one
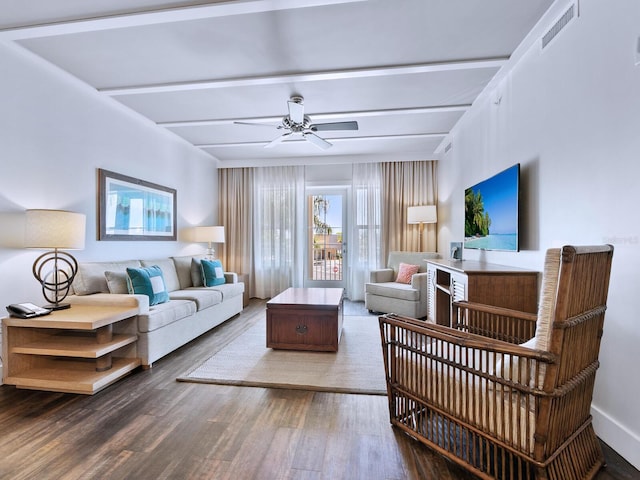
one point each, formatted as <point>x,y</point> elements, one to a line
<point>262,210</point>
<point>235,212</point>
<point>405,184</point>
<point>278,206</point>
<point>365,252</point>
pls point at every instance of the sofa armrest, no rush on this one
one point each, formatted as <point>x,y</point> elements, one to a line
<point>419,282</point>
<point>231,277</point>
<point>381,275</point>
<point>112,299</point>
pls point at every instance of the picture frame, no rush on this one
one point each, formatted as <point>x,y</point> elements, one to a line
<point>133,209</point>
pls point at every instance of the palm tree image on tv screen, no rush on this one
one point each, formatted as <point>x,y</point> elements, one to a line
<point>491,212</point>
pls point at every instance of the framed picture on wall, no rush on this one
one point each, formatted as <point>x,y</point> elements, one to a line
<point>132,209</point>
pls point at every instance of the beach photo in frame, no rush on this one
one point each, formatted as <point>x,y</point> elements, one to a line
<point>133,209</point>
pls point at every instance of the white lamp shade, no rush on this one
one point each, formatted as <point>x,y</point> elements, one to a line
<point>209,234</point>
<point>55,229</point>
<point>422,214</point>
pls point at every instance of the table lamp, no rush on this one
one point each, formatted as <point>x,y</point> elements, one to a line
<point>55,229</point>
<point>210,235</point>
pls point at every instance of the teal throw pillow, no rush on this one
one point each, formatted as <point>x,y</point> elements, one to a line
<point>148,281</point>
<point>212,272</point>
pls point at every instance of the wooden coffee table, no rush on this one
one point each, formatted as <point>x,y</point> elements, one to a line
<point>305,319</point>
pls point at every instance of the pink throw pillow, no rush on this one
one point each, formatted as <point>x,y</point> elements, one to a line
<point>405,272</point>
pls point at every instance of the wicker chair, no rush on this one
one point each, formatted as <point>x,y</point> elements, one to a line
<point>500,409</point>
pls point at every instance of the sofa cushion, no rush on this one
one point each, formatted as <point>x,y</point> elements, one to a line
<point>116,282</point>
<point>394,290</point>
<point>196,272</point>
<point>169,274</point>
<point>204,298</point>
<point>183,269</point>
<point>230,290</point>
<point>148,281</point>
<point>212,273</point>
<point>90,276</point>
<point>164,314</point>
<point>405,272</point>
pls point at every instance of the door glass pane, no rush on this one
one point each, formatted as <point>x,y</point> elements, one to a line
<point>326,239</point>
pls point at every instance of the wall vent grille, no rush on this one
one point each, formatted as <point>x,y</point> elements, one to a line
<point>448,147</point>
<point>559,25</point>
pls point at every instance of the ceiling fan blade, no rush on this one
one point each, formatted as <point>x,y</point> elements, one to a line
<point>277,141</point>
<point>316,140</point>
<point>258,124</point>
<point>296,111</point>
<point>323,127</point>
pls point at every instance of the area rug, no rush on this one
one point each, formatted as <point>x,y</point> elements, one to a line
<point>357,367</point>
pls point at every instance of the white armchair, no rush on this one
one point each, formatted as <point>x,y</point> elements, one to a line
<point>383,294</point>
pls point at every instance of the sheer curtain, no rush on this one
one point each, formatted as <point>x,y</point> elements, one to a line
<point>365,251</point>
<point>278,236</point>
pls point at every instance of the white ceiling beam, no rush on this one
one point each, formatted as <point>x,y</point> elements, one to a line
<point>411,136</point>
<point>496,63</point>
<point>165,15</point>
<point>320,116</point>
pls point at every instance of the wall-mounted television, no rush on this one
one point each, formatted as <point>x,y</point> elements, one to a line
<point>491,210</point>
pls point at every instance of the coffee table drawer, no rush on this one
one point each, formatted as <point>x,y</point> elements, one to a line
<point>303,330</point>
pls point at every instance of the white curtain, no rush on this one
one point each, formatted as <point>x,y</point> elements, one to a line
<point>278,243</point>
<point>365,222</point>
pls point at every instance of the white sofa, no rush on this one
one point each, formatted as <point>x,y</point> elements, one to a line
<point>192,309</point>
<point>384,295</point>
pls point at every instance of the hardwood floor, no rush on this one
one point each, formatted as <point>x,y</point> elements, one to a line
<point>149,426</point>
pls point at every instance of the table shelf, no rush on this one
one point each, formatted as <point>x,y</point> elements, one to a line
<point>71,376</point>
<point>74,346</point>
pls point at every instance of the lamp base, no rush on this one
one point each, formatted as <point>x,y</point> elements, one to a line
<point>59,306</point>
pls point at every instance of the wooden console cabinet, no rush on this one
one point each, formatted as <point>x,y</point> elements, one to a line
<point>456,280</point>
<point>73,350</point>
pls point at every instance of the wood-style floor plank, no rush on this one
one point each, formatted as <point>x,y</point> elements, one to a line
<point>149,426</point>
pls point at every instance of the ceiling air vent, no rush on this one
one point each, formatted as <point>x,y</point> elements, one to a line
<point>559,25</point>
<point>448,147</point>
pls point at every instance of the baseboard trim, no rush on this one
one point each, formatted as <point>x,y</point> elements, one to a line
<point>617,436</point>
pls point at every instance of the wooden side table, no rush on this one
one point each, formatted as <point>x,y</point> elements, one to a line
<point>244,278</point>
<point>72,350</point>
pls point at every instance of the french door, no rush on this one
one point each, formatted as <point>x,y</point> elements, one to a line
<point>326,242</point>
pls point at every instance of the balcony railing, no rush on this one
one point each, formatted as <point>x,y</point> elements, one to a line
<point>327,264</point>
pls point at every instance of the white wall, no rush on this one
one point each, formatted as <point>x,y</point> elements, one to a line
<point>570,115</point>
<point>54,133</point>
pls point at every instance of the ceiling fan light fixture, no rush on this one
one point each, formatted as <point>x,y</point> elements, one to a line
<point>297,123</point>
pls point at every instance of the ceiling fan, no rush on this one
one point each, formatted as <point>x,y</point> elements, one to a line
<point>297,124</point>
